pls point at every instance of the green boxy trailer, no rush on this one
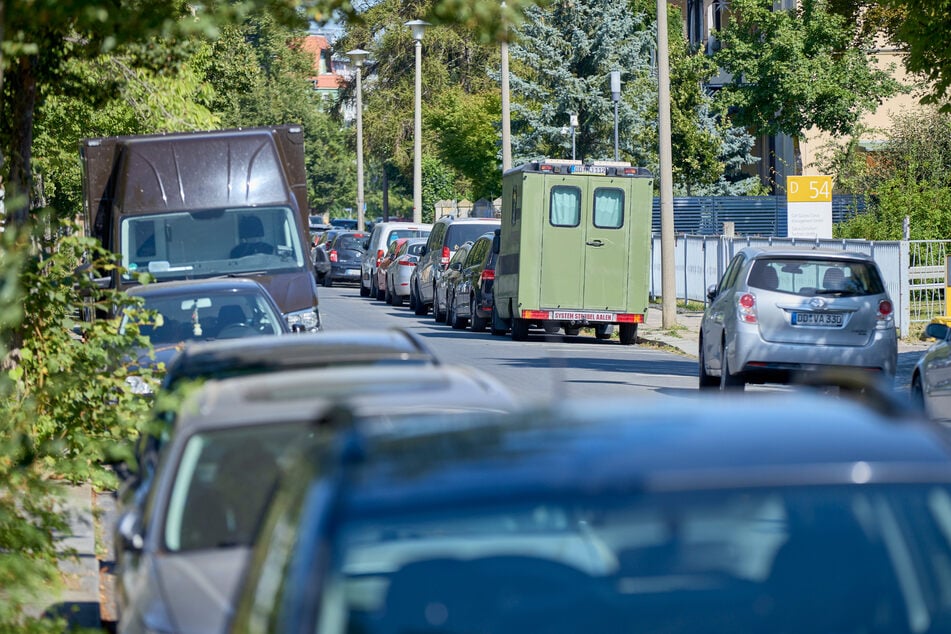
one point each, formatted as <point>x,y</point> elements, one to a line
<point>574,249</point>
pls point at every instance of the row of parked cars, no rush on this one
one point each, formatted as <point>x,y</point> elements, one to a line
<point>350,481</point>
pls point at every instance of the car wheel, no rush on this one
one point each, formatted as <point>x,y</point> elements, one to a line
<point>498,326</point>
<point>918,393</point>
<point>551,327</point>
<point>457,322</point>
<point>707,381</point>
<point>364,291</point>
<point>387,297</point>
<point>380,295</point>
<point>572,332</point>
<point>419,307</point>
<point>627,334</point>
<point>396,298</point>
<point>519,329</point>
<point>476,323</point>
<point>728,380</point>
<point>603,331</point>
<point>328,280</point>
<point>438,315</point>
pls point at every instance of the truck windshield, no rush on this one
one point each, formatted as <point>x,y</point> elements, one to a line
<point>211,242</point>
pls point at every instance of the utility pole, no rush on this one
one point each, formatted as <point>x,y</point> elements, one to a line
<point>667,268</point>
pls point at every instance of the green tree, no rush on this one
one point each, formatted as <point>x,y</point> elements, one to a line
<point>799,69</point>
<point>911,177</point>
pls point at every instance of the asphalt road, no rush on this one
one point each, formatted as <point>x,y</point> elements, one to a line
<point>541,368</point>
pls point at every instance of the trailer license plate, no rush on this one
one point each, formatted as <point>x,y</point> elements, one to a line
<point>830,320</point>
<point>579,316</point>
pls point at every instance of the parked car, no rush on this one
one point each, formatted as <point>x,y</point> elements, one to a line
<point>447,281</point>
<point>379,286</point>
<point>319,253</point>
<point>471,298</point>
<point>203,310</point>
<point>931,378</point>
<point>813,514</point>
<point>780,311</point>
<point>383,234</point>
<point>343,253</point>
<point>398,275</point>
<point>448,234</point>
<point>183,556</point>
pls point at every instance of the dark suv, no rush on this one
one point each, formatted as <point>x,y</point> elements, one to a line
<point>447,235</point>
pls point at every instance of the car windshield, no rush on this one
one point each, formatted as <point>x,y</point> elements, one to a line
<point>203,316</point>
<point>462,232</point>
<point>810,277</point>
<point>213,242</point>
<point>817,559</point>
<point>223,484</point>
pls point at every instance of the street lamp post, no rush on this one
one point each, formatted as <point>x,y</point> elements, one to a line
<point>574,126</point>
<point>357,56</point>
<point>616,97</point>
<point>418,27</point>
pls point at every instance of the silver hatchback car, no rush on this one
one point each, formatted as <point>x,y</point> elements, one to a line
<point>776,312</point>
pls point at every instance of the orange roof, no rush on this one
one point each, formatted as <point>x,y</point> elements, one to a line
<point>319,47</point>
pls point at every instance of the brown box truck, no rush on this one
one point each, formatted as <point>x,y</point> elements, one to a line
<point>206,204</point>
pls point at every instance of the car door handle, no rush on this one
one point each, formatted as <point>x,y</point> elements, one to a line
<point>594,243</point>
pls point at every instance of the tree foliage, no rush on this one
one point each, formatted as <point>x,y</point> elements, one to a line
<point>910,176</point>
<point>799,69</point>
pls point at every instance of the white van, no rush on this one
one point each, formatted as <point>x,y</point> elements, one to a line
<point>375,246</point>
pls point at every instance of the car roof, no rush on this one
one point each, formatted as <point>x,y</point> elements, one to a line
<point>256,355</point>
<point>205,285</point>
<point>302,395</point>
<point>793,252</point>
<point>628,445</point>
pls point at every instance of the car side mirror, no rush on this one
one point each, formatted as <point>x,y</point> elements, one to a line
<point>712,292</point>
<point>129,530</point>
<point>423,251</point>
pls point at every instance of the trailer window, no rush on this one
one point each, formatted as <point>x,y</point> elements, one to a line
<point>565,206</point>
<point>608,208</point>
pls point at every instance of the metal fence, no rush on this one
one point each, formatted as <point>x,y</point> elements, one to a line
<point>913,270</point>
<point>751,215</point>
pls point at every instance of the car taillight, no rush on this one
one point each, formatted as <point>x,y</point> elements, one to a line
<point>445,256</point>
<point>885,309</point>
<point>746,307</point>
<point>487,274</point>
<point>332,255</point>
<point>379,256</point>
<point>407,263</point>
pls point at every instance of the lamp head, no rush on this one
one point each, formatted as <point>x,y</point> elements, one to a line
<point>419,27</point>
<point>357,56</point>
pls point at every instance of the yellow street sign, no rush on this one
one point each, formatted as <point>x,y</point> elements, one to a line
<point>809,189</point>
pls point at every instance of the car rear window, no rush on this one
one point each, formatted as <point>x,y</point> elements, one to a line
<point>349,242</point>
<point>809,277</point>
<point>461,233</point>
<point>396,234</point>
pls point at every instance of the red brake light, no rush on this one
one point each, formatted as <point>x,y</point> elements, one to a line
<point>379,256</point>
<point>406,263</point>
<point>885,308</point>
<point>487,274</point>
<point>332,255</point>
<point>445,256</point>
<point>747,308</point>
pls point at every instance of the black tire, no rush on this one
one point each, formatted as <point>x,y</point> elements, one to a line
<point>707,381</point>
<point>364,291</point>
<point>729,381</point>
<point>439,316</point>
<point>380,295</point>
<point>918,394</point>
<point>519,329</point>
<point>572,332</point>
<point>627,334</point>
<point>457,322</point>
<point>328,280</point>
<point>396,299</point>
<point>419,307</point>
<point>603,331</point>
<point>551,327</point>
<point>476,323</point>
<point>497,324</point>
<point>387,297</point>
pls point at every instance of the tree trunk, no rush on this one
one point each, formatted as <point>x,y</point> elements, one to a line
<point>21,82</point>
